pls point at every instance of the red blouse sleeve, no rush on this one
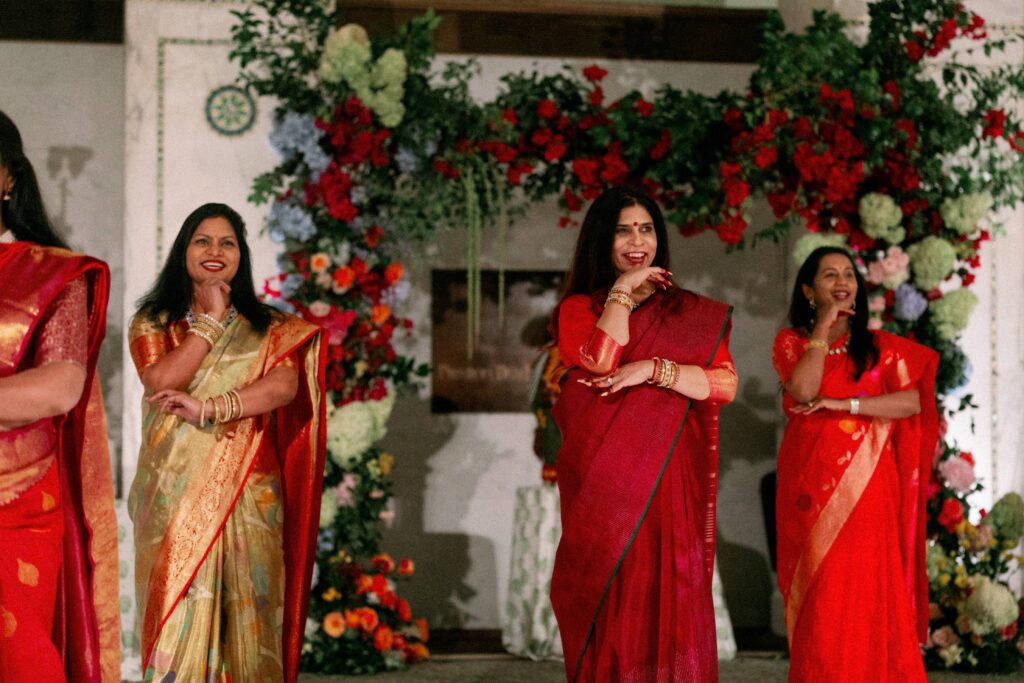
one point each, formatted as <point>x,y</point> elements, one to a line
<point>786,352</point>
<point>721,374</point>
<point>63,333</point>
<point>147,341</point>
<point>581,343</point>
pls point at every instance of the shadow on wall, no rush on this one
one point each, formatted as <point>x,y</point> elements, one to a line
<point>439,589</point>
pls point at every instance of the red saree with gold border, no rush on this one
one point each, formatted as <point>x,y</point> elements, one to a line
<point>850,516</point>
<point>55,482</point>
<point>189,484</point>
<point>637,474</point>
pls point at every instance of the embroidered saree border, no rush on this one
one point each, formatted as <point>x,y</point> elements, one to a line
<point>647,505</point>
<point>834,516</point>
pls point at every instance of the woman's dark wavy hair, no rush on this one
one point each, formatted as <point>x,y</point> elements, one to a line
<point>172,292</point>
<point>863,351</point>
<point>592,269</point>
<point>24,213</point>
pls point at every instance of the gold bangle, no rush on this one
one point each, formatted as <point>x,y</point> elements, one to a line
<point>202,335</point>
<point>238,399</point>
<point>205,317</point>
<point>216,411</point>
<point>202,414</point>
<point>617,297</point>
<point>226,417</point>
<point>817,344</point>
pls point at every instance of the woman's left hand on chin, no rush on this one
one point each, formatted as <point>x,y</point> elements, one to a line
<point>822,403</point>
<point>628,375</point>
<point>177,403</point>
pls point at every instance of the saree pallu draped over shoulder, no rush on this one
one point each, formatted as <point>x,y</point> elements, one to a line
<point>851,516</point>
<point>257,474</point>
<point>58,530</point>
<point>637,474</point>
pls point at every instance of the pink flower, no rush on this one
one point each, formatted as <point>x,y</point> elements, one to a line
<point>876,304</point>
<point>874,323</point>
<point>958,474</point>
<point>891,271</point>
<point>945,636</point>
<point>933,611</point>
<point>345,491</point>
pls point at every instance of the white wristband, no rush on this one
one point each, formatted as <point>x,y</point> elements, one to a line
<point>854,406</point>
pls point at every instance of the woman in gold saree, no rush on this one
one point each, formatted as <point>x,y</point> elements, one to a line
<point>58,535</point>
<point>226,498</point>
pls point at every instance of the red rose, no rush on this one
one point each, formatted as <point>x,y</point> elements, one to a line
<point>373,235</point>
<point>777,117</point>
<point>541,136</point>
<point>594,73</point>
<point>968,456</point>
<point>781,202</point>
<point>914,50</point>
<point>892,89</point>
<point>728,170</point>
<point>510,115</point>
<point>596,97</point>
<point>731,231</point>
<point>615,167</point>
<point>643,107</point>
<point>547,109</point>
<point>662,146</point>
<point>967,280</point>
<point>556,149</point>
<point>515,173</point>
<point>447,170</point>
<point>735,191</point>
<point>994,121</point>
<point>765,157</point>
<point>382,562</point>
<point>404,611</point>
<point>571,200</point>
<point>951,515</point>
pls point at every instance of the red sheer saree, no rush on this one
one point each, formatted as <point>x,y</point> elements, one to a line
<point>637,474</point>
<point>850,511</point>
<point>58,569</point>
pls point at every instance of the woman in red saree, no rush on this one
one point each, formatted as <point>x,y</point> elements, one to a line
<point>225,501</point>
<point>853,466</point>
<point>59,615</point>
<point>637,471</point>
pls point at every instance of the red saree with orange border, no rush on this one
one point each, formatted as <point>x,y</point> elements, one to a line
<point>58,569</point>
<point>851,514</point>
<point>637,474</point>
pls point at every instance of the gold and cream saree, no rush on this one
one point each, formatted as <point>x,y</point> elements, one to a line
<point>226,516</point>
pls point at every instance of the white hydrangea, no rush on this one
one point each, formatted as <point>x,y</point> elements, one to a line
<point>880,217</point>
<point>990,606</point>
<point>346,55</point>
<point>963,213</point>
<point>812,240</point>
<point>932,260</point>
<point>355,427</point>
<point>328,508</point>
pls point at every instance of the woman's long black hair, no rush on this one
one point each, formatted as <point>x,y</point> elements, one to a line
<point>863,351</point>
<point>23,214</point>
<point>172,292</point>
<point>592,269</point>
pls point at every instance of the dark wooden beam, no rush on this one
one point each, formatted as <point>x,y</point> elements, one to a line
<point>80,21</point>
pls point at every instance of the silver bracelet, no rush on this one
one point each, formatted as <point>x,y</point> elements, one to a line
<point>854,406</point>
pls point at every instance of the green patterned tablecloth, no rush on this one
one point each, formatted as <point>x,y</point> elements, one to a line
<point>529,628</point>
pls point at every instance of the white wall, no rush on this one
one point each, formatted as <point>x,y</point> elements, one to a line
<point>66,99</point>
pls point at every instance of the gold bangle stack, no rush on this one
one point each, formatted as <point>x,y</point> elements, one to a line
<point>233,408</point>
<point>207,328</point>
<point>620,296</point>
<point>665,373</point>
<point>817,344</point>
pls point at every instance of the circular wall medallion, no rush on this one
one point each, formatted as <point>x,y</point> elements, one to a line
<point>230,110</point>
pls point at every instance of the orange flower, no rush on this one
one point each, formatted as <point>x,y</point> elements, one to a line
<point>406,567</point>
<point>364,584</point>
<point>423,627</point>
<point>379,584</point>
<point>416,652</point>
<point>352,618</point>
<point>383,638</point>
<point>343,279</point>
<point>380,313</point>
<point>319,262</point>
<point>404,611</point>
<point>400,643</point>
<point>393,273</point>
<point>331,594</point>
<point>368,619</point>
<point>383,563</point>
<point>334,624</point>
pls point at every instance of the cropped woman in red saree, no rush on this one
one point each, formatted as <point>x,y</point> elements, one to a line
<point>58,535</point>
<point>637,472</point>
<point>853,467</point>
<point>225,501</point>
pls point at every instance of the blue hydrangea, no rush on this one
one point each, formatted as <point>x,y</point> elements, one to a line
<point>406,160</point>
<point>288,221</point>
<point>290,285</point>
<point>910,303</point>
<point>295,133</point>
